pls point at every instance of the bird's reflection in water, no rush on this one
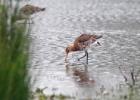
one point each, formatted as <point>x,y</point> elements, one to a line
<point>78,74</point>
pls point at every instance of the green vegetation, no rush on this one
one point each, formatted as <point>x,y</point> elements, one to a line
<point>39,95</point>
<point>13,55</point>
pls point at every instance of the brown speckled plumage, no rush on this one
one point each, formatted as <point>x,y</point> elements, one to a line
<point>81,43</point>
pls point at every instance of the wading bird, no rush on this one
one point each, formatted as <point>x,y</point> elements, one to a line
<point>81,43</point>
<point>26,11</point>
<point>30,9</point>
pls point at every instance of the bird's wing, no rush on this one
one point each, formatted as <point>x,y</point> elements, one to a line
<point>82,38</point>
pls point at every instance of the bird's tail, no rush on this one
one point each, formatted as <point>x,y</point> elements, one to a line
<point>98,36</point>
<point>42,9</point>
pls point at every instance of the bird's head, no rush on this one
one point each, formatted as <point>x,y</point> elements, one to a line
<point>68,50</point>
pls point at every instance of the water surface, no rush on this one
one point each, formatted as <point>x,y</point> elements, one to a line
<point>62,21</point>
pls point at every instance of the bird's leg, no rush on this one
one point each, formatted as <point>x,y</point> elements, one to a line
<point>82,56</point>
<point>87,56</point>
<point>99,43</point>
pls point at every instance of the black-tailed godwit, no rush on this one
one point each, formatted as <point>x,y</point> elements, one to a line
<point>81,43</point>
<point>30,9</point>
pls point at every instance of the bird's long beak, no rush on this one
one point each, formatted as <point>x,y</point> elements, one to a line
<point>66,57</point>
<point>98,37</point>
<point>87,56</point>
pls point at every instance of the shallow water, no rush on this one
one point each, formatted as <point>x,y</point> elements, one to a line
<point>62,21</point>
